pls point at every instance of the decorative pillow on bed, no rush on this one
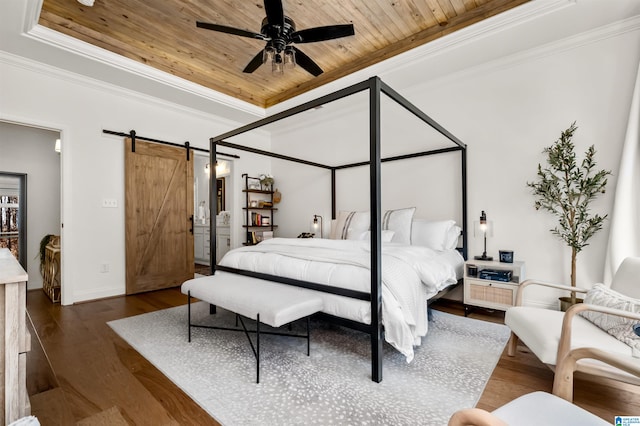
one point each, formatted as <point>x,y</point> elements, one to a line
<point>399,221</point>
<point>350,225</point>
<point>387,236</point>
<point>619,327</point>
<point>435,234</point>
<point>452,238</point>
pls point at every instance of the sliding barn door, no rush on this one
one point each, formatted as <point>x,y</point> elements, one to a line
<point>159,212</point>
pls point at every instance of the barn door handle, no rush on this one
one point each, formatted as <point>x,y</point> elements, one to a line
<point>191,219</point>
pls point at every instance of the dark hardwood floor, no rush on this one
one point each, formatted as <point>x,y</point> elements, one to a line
<point>202,269</point>
<point>79,370</point>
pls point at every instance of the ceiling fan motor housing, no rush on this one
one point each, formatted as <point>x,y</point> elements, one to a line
<point>280,35</point>
<point>279,32</point>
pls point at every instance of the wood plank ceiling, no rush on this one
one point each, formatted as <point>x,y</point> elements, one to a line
<point>163,34</point>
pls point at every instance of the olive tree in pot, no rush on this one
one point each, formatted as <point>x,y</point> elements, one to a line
<point>566,189</point>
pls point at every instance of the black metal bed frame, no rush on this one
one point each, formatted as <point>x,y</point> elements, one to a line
<point>376,87</point>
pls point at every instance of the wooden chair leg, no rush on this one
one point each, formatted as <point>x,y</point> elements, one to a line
<point>512,345</point>
<point>563,383</point>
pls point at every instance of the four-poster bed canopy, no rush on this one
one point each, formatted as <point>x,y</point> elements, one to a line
<point>375,88</point>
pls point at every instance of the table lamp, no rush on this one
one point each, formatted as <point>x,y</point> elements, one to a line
<point>317,218</point>
<point>483,227</point>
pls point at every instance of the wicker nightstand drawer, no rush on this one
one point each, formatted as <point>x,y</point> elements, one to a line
<point>492,294</point>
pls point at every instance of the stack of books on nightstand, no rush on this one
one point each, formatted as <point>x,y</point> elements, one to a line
<point>495,275</point>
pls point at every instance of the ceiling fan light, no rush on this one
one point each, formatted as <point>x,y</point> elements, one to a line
<point>268,54</point>
<point>289,59</point>
<point>277,66</point>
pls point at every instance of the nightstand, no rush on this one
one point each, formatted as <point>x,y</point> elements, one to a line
<point>491,284</point>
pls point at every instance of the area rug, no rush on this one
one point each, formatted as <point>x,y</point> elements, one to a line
<point>333,385</point>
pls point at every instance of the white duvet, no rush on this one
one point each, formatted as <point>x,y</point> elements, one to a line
<point>410,275</point>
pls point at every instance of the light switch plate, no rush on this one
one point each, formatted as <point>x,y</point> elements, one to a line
<point>109,203</point>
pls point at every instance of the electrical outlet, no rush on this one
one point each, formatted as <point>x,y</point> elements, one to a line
<point>104,268</point>
<point>109,203</point>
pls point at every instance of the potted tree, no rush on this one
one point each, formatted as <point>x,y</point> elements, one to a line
<point>566,189</point>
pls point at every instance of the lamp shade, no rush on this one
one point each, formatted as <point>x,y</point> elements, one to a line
<point>480,230</point>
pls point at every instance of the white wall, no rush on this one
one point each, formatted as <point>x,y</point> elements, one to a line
<point>30,150</point>
<point>506,108</point>
<point>506,111</point>
<point>93,162</point>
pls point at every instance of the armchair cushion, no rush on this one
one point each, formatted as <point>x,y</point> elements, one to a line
<point>525,411</point>
<point>540,330</point>
<point>619,327</point>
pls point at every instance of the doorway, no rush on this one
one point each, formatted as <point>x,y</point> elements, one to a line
<point>30,151</point>
<point>202,220</point>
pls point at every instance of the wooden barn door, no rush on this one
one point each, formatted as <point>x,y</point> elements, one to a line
<point>159,214</point>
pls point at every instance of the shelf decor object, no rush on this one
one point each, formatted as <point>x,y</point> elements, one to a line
<point>266,182</point>
<point>482,228</point>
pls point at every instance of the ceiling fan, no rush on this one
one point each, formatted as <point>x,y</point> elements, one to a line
<point>279,31</point>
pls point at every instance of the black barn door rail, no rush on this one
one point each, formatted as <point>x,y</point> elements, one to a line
<point>132,134</point>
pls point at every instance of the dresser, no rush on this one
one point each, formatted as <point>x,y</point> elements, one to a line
<point>16,340</point>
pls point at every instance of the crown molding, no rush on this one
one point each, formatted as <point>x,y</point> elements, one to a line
<point>32,14</point>
<point>595,35</point>
<point>62,41</point>
<point>576,41</point>
<point>466,35</point>
<point>487,27</point>
<point>65,75</point>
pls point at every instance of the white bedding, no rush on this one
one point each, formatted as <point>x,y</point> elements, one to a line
<point>410,276</point>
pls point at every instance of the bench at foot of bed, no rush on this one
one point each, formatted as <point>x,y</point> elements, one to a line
<point>264,301</point>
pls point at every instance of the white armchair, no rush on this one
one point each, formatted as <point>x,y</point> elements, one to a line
<point>557,408</point>
<point>552,334</point>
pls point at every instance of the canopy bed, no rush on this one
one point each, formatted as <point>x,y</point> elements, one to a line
<point>371,249</point>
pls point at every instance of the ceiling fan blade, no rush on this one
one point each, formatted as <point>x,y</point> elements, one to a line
<point>230,30</point>
<point>330,32</point>
<point>275,12</point>
<point>255,63</point>
<point>307,63</point>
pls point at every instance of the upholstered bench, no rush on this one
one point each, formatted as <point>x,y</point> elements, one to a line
<point>264,301</point>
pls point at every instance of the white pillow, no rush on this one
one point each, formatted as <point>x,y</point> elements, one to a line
<point>387,236</point>
<point>435,234</point>
<point>451,242</point>
<point>619,327</point>
<point>399,221</point>
<point>350,225</point>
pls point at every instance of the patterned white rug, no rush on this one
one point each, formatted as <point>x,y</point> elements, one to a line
<point>332,386</point>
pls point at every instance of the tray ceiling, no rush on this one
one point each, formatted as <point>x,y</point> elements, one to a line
<point>163,35</point>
